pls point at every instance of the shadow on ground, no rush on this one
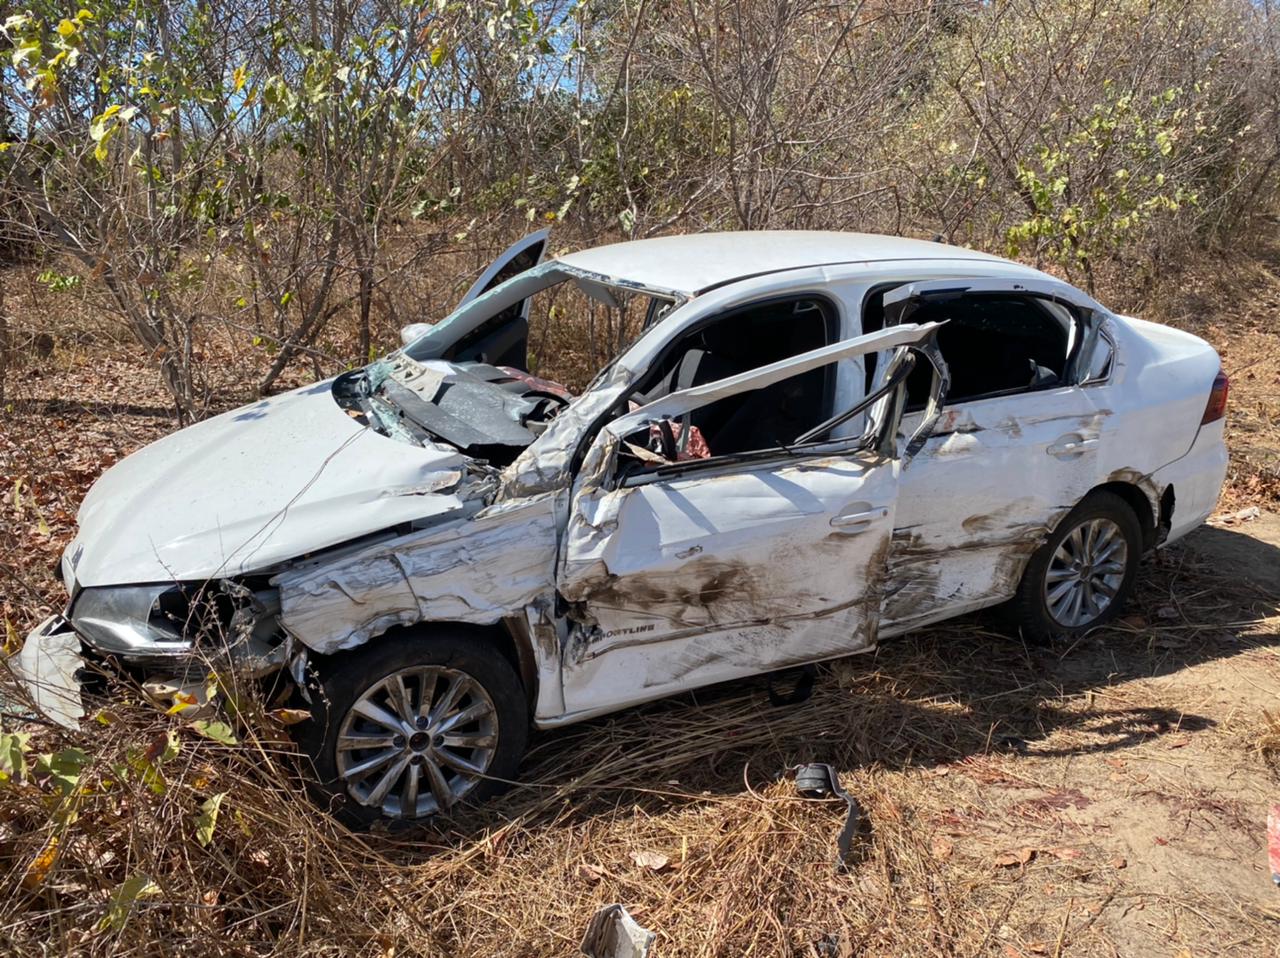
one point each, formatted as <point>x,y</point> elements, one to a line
<point>932,698</point>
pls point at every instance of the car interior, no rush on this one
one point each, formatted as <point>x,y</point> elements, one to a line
<point>740,341</point>
<point>994,344</point>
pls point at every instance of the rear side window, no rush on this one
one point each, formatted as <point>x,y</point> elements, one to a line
<point>994,344</point>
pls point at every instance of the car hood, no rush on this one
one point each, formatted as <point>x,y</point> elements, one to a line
<point>251,488</point>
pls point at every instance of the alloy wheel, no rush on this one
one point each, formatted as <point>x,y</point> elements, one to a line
<point>1086,572</point>
<point>417,741</point>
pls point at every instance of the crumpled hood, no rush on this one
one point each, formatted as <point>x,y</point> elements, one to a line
<point>251,488</point>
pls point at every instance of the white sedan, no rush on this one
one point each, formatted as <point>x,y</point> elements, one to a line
<point>817,441</point>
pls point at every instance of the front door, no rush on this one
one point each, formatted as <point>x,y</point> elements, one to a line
<point>680,574</point>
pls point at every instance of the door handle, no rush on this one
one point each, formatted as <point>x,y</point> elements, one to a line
<point>1071,445</point>
<point>852,522</point>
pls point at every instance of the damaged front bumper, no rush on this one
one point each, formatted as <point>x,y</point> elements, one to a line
<point>49,668</point>
<point>58,659</point>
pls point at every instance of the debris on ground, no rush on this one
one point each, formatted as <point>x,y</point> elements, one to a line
<point>613,933</point>
<point>819,781</point>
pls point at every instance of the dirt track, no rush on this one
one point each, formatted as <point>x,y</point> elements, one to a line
<point>1150,785</point>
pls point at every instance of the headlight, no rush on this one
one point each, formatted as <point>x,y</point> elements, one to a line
<point>126,620</point>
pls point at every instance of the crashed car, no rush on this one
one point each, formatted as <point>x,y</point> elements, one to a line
<point>817,441</point>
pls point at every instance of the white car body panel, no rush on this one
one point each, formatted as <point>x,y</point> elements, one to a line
<point>676,583</point>
<point>474,570</point>
<point>697,262</point>
<point>253,487</point>
<point>729,569</point>
<point>981,496</point>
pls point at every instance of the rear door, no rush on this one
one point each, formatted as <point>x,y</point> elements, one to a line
<point>1000,466</point>
<point>679,574</point>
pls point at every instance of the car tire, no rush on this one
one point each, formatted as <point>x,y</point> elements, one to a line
<point>1082,575</point>
<point>369,722</point>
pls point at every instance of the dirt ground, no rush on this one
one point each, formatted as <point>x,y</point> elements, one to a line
<point>1104,798</point>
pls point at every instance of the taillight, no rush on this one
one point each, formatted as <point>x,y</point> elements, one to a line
<point>1217,406</point>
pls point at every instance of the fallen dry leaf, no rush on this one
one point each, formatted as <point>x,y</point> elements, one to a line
<point>290,716</point>
<point>38,870</point>
<point>1065,854</point>
<point>592,873</point>
<point>1019,857</point>
<point>654,861</point>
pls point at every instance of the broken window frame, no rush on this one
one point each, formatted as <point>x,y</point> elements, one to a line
<point>902,300</point>
<point>832,318</point>
<point>1101,334</point>
<point>903,339</point>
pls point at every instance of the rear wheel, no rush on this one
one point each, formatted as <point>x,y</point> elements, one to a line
<point>1083,574</point>
<point>407,728</point>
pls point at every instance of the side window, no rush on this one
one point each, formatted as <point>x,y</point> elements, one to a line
<point>1099,363</point>
<point>994,344</point>
<point>739,342</point>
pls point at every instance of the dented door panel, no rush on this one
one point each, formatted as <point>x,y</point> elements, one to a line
<point>676,584</point>
<point>993,479</point>
<point>730,568</point>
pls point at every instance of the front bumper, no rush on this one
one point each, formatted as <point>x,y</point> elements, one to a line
<point>48,667</point>
<point>51,668</point>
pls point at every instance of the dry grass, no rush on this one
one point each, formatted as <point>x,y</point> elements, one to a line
<point>977,760</point>
<point>1100,799</point>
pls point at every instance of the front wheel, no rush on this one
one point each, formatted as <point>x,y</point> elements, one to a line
<point>408,727</point>
<point>1083,574</point>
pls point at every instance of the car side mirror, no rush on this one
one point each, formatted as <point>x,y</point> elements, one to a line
<point>413,331</point>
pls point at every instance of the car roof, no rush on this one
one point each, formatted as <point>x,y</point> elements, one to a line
<point>696,262</point>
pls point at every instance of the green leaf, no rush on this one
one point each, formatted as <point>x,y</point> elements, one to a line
<point>63,768</point>
<point>13,750</point>
<point>28,51</point>
<point>122,901</point>
<point>438,55</point>
<point>219,732</point>
<point>207,819</point>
